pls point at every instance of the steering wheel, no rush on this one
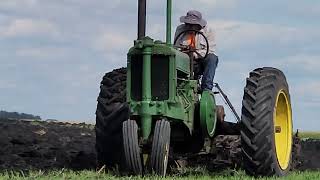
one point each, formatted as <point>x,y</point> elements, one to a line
<point>188,48</point>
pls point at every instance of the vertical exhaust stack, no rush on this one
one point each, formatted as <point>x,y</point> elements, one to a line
<point>142,11</point>
<point>169,19</point>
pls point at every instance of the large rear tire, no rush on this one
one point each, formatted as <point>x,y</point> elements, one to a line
<point>111,112</point>
<point>266,123</point>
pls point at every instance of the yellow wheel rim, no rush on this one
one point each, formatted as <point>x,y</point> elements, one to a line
<point>283,129</point>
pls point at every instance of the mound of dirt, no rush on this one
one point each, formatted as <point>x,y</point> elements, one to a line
<point>310,156</point>
<point>26,145</point>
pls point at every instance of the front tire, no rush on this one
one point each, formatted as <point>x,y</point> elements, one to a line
<point>266,123</point>
<point>160,148</point>
<point>131,147</point>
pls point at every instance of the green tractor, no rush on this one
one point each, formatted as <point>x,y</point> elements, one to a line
<point>153,108</point>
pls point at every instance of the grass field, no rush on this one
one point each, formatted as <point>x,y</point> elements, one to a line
<point>201,176</point>
<point>312,135</point>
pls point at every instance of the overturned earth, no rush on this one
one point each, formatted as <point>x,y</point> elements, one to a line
<point>33,145</point>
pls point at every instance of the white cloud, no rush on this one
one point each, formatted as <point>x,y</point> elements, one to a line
<point>29,27</point>
<point>7,84</point>
<point>235,34</point>
<point>310,9</point>
<point>156,31</point>
<point>42,53</point>
<point>17,3</point>
<point>109,41</point>
<point>302,62</point>
<point>307,93</point>
<point>205,6</point>
<point>217,3</point>
<point>311,89</point>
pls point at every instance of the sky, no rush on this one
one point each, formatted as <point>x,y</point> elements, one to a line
<point>53,53</point>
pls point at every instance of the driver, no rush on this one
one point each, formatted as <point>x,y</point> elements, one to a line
<point>193,21</point>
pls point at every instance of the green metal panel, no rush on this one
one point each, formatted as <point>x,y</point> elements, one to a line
<point>178,109</point>
<point>182,62</point>
<point>157,48</point>
<point>208,115</point>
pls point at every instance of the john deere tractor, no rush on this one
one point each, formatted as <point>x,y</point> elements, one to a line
<point>153,108</point>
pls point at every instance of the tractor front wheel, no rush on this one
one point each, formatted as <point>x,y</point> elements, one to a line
<point>160,148</point>
<point>131,147</point>
<point>266,124</point>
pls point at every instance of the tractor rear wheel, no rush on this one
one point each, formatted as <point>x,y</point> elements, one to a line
<point>160,148</point>
<point>266,123</point>
<point>111,112</point>
<point>131,147</point>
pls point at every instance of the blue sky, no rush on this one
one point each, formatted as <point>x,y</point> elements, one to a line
<point>53,54</point>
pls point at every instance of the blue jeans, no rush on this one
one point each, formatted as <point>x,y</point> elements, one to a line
<point>210,66</point>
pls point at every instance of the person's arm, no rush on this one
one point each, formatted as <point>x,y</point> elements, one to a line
<point>210,35</point>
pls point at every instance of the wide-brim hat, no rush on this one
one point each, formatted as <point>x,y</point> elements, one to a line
<point>193,17</point>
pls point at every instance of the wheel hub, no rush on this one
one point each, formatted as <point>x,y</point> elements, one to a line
<point>283,130</point>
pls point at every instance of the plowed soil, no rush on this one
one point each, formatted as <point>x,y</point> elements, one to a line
<point>32,145</point>
<point>26,145</point>
<point>310,155</point>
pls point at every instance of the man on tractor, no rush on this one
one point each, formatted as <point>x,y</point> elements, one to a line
<point>152,107</point>
<point>193,21</point>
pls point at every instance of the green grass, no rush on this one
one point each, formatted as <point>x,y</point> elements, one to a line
<point>312,135</point>
<point>83,175</point>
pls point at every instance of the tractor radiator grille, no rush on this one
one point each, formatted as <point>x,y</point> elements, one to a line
<point>136,78</point>
<point>160,78</point>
